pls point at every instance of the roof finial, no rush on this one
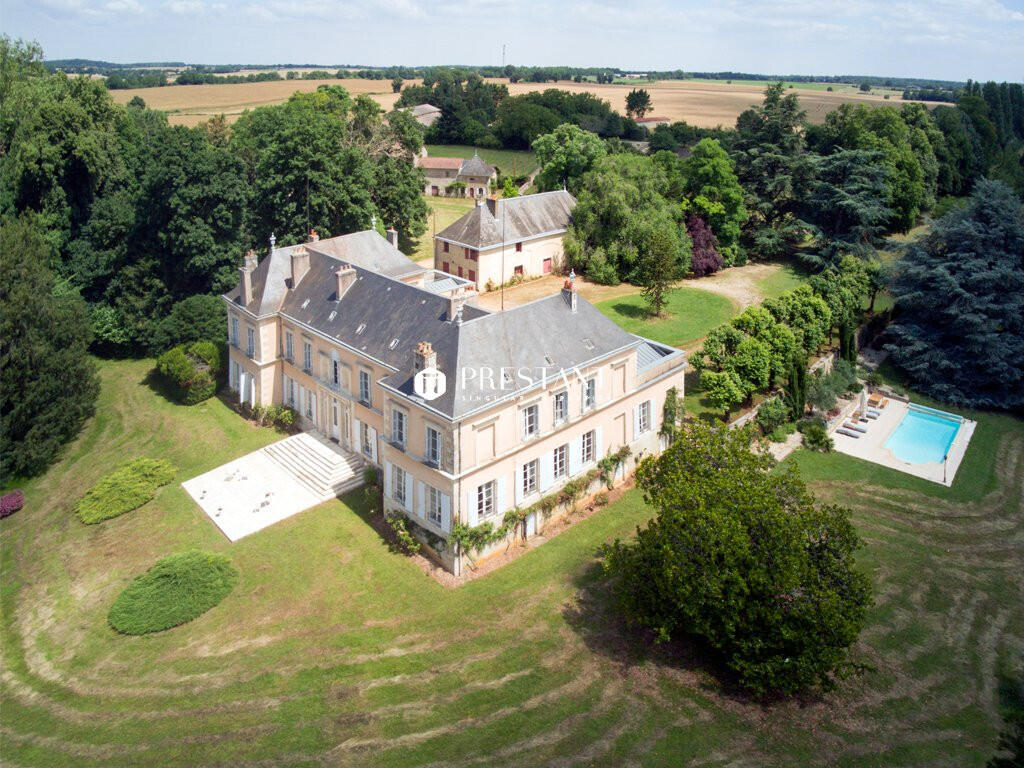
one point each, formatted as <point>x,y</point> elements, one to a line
<point>572,276</point>
<point>273,240</point>
<point>373,221</point>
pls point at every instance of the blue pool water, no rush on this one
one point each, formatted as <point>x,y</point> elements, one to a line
<point>924,435</point>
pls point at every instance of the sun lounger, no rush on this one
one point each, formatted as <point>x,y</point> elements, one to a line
<point>872,414</point>
<point>855,427</point>
<point>848,433</point>
<point>885,402</point>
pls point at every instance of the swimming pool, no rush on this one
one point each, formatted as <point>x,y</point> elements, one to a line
<point>924,435</point>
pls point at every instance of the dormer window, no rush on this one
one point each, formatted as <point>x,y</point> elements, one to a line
<point>393,344</point>
<point>588,343</point>
<point>361,328</point>
<point>305,303</point>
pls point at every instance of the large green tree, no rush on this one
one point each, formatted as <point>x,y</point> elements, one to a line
<point>959,334</point>
<point>565,155</point>
<point>714,193</point>
<point>48,383</point>
<point>745,562</point>
<point>774,170</point>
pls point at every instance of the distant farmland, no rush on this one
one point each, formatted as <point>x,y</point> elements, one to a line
<point>699,102</point>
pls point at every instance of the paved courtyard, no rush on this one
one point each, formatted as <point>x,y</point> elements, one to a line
<point>870,446</point>
<point>269,485</point>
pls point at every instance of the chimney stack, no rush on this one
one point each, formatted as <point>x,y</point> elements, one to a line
<point>455,308</point>
<point>300,264</point>
<point>313,236</point>
<point>492,205</point>
<point>393,236</point>
<point>569,292</point>
<point>345,277</point>
<point>425,356</point>
<point>248,267</point>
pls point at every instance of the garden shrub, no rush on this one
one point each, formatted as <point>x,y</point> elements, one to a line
<point>126,488</point>
<point>407,543</point>
<point>192,370</point>
<point>174,591</point>
<point>780,433</point>
<point>11,503</point>
<point>773,413</point>
<point>816,438</point>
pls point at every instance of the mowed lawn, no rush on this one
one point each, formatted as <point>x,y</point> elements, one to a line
<point>443,212</point>
<point>333,650</point>
<point>510,162</point>
<point>688,316</point>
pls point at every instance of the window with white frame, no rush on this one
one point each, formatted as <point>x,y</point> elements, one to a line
<point>336,372</point>
<point>234,331</point>
<point>530,421</point>
<point>433,445</point>
<point>364,387</point>
<point>289,347</point>
<point>589,394</point>
<point>398,484</point>
<point>561,407</point>
<point>434,505</point>
<point>364,441</point>
<point>307,356</point>
<point>250,344</point>
<point>398,427</point>
<point>588,446</point>
<point>234,374</point>
<point>530,477</point>
<point>644,416</point>
<point>309,404</point>
<point>485,500</point>
<point>561,463</point>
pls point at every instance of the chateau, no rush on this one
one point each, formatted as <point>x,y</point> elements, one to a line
<point>525,399</point>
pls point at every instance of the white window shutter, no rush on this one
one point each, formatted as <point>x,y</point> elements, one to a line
<point>408,492</point>
<point>598,444</point>
<point>500,500</point>
<point>517,483</point>
<point>471,516</point>
<point>575,455</point>
<point>387,479</point>
<point>357,436</point>
<point>421,499</point>
<point>636,422</point>
<point>651,421</point>
<point>241,387</point>
<point>599,384</point>
<point>547,471</point>
<point>446,512</point>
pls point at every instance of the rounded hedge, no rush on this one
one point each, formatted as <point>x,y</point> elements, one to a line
<point>174,591</point>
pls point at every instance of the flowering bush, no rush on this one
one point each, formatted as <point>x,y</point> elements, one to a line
<point>11,503</point>
<point>706,258</point>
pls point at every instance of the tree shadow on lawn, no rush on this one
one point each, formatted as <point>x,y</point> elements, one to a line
<point>161,386</point>
<point>604,630</point>
<point>636,312</point>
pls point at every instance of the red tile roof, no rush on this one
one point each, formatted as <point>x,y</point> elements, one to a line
<point>441,163</point>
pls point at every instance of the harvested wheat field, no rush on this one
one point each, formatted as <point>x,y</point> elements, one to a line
<point>711,104</point>
<point>193,104</point>
<point>332,649</point>
<point>704,104</point>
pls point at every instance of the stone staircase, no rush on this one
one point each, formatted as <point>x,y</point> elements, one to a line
<point>320,465</point>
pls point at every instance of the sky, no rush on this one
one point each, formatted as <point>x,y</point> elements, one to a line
<point>943,39</point>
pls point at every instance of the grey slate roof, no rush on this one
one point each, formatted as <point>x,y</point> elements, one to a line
<point>384,319</point>
<point>365,249</point>
<point>651,353</point>
<point>526,216</point>
<point>475,166</point>
<point>538,339</point>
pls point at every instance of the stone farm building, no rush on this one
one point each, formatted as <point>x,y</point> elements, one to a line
<point>442,172</point>
<point>505,237</point>
<point>339,329</point>
<point>426,114</point>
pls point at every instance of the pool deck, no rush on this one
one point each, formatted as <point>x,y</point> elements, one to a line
<point>871,445</point>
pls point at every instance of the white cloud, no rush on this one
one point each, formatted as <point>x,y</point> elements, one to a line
<point>186,7</point>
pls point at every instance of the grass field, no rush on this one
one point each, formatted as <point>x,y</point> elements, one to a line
<point>509,161</point>
<point>786,278</point>
<point>444,211</point>
<point>332,650</point>
<point>702,103</point>
<point>689,315</point>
